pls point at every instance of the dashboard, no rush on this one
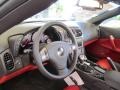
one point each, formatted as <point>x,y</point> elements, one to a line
<point>16,43</point>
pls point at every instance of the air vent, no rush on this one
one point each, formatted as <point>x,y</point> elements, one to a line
<point>8,61</point>
<point>76,31</point>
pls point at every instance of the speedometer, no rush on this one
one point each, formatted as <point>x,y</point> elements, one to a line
<point>50,35</point>
<point>45,39</point>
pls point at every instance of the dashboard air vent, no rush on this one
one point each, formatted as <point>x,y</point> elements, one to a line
<point>76,31</point>
<point>8,61</point>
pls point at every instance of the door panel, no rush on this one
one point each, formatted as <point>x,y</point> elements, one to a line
<point>106,32</point>
<point>103,48</point>
<point>110,27</point>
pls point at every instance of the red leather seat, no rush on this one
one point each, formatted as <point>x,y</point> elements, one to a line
<point>74,87</point>
<point>104,64</point>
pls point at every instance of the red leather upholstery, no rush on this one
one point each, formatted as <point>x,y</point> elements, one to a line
<point>74,87</point>
<point>104,64</point>
<point>105,47</point>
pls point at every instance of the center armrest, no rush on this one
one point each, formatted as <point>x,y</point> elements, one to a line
<point>112,78</point>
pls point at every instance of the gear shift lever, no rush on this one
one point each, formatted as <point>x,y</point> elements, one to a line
<point>112,63</point>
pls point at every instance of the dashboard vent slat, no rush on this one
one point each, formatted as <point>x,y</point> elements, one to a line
<point>76,31</point>
<point>8,61</point>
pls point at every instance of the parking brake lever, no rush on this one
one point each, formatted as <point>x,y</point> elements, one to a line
<point>112,64</point>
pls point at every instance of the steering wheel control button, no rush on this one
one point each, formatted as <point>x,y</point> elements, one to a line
<point>73,47</point>
<point>60,51</point>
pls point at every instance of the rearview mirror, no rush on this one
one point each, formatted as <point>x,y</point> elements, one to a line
<point>97,4</point>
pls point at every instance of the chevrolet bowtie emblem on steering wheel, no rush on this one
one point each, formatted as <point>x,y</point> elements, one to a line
<point>60,51</point>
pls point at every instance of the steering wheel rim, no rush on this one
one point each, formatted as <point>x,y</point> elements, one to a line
<point>38,57</point>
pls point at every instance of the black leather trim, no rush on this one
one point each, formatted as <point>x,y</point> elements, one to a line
<point>112,78</point>
<point>10,5</point>
<point>22,12</point>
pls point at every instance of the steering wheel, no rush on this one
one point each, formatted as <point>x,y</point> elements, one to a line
<point>56,52</point>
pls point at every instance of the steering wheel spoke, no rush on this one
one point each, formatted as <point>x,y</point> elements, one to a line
<point>72,46</point>
<point>44,55</point>
<point>63,71</point>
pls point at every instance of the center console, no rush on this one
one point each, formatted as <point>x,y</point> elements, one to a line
<point>87,66</point>
<point>91,69</point>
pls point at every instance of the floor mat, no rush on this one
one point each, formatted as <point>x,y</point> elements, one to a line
<point>33,81</point>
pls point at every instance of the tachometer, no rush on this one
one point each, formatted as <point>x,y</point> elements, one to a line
<point>45,39</point>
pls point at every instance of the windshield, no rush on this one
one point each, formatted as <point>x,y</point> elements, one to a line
<point>72,10</point>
